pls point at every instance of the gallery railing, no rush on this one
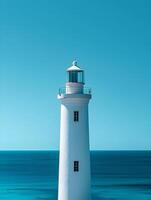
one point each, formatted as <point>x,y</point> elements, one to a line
<point>66,90</point>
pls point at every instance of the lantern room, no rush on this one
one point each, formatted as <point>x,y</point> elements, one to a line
<point>75,74</point>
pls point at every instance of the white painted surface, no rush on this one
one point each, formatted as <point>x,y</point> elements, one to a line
<point>74,67</point>
<point>74,145</point>
<point>74,88</point>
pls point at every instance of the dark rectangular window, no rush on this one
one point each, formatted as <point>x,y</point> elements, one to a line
<point>76,166</point>
<point>76,116</point>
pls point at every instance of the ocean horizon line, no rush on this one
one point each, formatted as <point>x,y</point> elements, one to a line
<point>56,150</point>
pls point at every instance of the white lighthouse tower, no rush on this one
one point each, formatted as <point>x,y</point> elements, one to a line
<point>74,161</point>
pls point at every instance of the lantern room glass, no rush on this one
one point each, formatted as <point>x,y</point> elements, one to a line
<point>75,76</point>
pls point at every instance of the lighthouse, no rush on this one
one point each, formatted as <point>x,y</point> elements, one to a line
<point>74,158</point>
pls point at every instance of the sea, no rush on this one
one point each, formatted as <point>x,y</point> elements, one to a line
<point>116,175</point>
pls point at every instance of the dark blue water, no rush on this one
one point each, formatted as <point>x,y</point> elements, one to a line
<point>33,175</point>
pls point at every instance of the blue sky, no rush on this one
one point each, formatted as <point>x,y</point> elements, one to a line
<point>111,41</point>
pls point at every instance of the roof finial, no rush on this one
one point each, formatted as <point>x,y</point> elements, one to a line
<point>74,63</point>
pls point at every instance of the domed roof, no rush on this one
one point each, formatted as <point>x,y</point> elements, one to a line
<point>74,67</point>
